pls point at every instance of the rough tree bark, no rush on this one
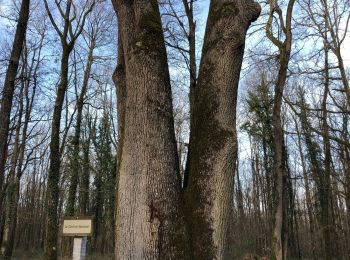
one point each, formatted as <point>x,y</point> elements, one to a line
<point>213,152</point>
<point>149,219</point>
<point>8,90</point>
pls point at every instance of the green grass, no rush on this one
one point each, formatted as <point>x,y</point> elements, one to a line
<point>20,254</point>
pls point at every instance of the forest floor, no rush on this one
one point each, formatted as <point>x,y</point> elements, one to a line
<point>36,255</point>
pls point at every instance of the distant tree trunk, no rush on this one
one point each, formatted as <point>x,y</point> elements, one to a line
<point>284,47</point>
<point>8,90</point>
<point>75,163</point>
<point>68,38</point>
<point>6,247</point>
<point>240,204</point>
<point>213,147</point>
<point>325,189</point>
<point>314,155</point>
<point>14,198</point>
<point>52,194</point>
<point>193,72</point>
<point>18,160</point>
<point>149,219</point>
<point>97,210</point>
<point>336,39</point>
<point>345,157</point>
<point>308,196</point>
<point>85,178</point>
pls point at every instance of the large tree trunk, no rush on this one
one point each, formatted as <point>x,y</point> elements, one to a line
<point>119,79</point>
<point>9,86</point>
<point>149,219</point>
<point>213,152</point>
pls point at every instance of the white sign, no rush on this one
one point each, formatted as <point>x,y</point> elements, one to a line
<point>77,227</point>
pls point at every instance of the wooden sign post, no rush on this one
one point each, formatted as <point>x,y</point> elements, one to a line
<point>79,228</point>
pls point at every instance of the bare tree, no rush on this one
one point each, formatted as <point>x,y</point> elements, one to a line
<point>8,90</point>
<point>149,220</point>
<point>68,36</point>
<point>213,148</point>
<point>279,249</point>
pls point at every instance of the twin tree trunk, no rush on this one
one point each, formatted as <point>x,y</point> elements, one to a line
<point>153,218</point>
<point>213,153</point>
<point>149,219</point>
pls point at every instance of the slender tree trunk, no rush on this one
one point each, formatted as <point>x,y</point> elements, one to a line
<point>13,195</point>
<point>344,155</point>
<point>193,74</point>
<point>308,196</point>
<point>278,250</point>
<point>335,44</point>
<point>319,177</point>
<point>213,148</point>
<point>240,204</point>
<point>74,178</point>
<point>326,197</point>
<point>52,193</point>
<point>68,38</point>
<point>85,179</point>
<point>6,247</point>
<point>149,219</point>
<point>8,90</point>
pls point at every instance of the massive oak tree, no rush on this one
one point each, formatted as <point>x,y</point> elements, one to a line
<point>213,153</point>
<point>149,221</point>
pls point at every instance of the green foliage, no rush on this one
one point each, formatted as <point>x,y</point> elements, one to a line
<point>259,102</point>
<point>259,128</point>
<point>104,182</point>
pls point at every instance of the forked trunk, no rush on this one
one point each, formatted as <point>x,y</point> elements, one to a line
<point>213,152</point>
